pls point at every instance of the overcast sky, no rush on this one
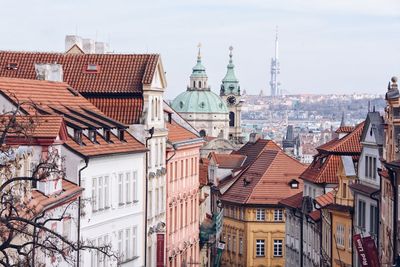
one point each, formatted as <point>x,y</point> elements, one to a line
<point>326,46</point>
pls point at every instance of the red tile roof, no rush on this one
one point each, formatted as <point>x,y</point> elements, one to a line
<point>118,73</point>
<point>349,144</point>
<point>228,161</point>
<point>203,171</point>
<point>345,129</point>
<point>37,126</point>
<point>127,110</point>
<point>177,133</point>
<point>326,199</point>
<point>58,98</point>
<point>294,201</point>
<point>315,215</point>
<point>253,150</point>
<point>326,163</point>
<point>266,180</point>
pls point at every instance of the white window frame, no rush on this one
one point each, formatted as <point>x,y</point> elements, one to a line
<point>260,248</point>
<point>94,195</point>
<point>121,188</point>
<point>278,215</point>
<point>260,214</point>
<point>278,248</point>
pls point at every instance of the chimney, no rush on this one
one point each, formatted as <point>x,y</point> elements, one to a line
<point>49,72</point>
<point>71,40</point>
<point>88,46</point>
<point>254,137</point>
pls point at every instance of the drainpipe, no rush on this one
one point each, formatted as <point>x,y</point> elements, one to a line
<point>393,181</point>
<point>151,132</point>
<point>79,210</point>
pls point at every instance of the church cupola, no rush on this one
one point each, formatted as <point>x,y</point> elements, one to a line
<point>198,78</point>
<point>230,84</point>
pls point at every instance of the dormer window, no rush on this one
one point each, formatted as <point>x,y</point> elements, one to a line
<point>107,135</point>
<point>12,66</point>
<point>78,136</point>
<point>294,184</point>
<point>92,136</point>
<point>92,68</point>
<point>121,134</point>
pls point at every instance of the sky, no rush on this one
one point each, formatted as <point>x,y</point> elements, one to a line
<point>325,46</point>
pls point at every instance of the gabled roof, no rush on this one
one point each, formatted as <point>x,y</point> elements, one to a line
<point>266,181</point>
<point>228,161</point>
<point>253,150</point>
<point>376,121</point>
<point>118,73</point>
<point>54,98</point>
<point>347,145</point>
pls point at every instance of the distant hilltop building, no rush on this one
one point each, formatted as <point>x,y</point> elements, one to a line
<point>275,71</point>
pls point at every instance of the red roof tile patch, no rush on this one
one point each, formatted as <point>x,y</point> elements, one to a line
<point>203,171</point>
<point>228,161</point>
<point>127,110</point>
<point>345,129</point>
<point>294,201</point>
<point>266,180</point>
<point>315,215</point>
<point>322,170</point>
<point>119,73</point>
<point>177,133</point>
<point>253,150</point>
<point>326,199</point>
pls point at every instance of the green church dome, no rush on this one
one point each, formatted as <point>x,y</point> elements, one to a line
<point>199,101</point>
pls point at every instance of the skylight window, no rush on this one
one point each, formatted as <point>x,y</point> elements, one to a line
<point>12,66</point>
<point>92,68</point>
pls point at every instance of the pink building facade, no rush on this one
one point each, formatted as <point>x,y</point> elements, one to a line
<point>183,153</point>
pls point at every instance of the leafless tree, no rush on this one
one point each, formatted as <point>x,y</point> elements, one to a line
<point>25,231</point>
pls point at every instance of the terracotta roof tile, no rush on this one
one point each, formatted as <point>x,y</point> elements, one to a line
<point>228,161</point>
<point>363,188</point>
<point>349,144</point>
<point>177,133</point>
<point>118,73</point>
<point>127,110</point>
<point>345,129</point>
<point>294,201</point>
<point>315,215</point>
<point>253,150</point>
<point>326,199</point>
<point>55,97</point>
<point>266,181</point>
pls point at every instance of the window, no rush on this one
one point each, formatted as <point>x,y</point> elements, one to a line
<point>240,246</point>
<point>128,243</point>
<point>241,213</point>
<point>134,186</point>
<point>181,216</point>
<point>361,214</point>
<point>120,189</point>
<point>350,243</point>
<point>150,199</point>
<point>260,214</point>
<point>100,194</point>
<point>278,215</point>
<point>373,220</point>
<point>176,218</point>
<point>120,249</point>
<point>340,234</point>
<point>94,194</point>
<point>128,196</point>
<point>229,243</point>
<point>157,201</point>
<point>278,248</point>
<point>260,247</point>
<point>187,212</point>
<point>370,167</point>
<point>106,192</point>
<point>134,241</point>
<point>234,244</point>
<point>162,199</point>
<point>156,154</point>
<point>344,190</point>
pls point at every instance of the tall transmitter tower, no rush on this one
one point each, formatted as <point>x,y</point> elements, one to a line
<point>275,71</point>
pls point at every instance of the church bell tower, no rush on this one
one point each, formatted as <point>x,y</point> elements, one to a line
<point>230,93</point>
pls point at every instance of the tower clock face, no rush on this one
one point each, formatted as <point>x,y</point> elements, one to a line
<point>231,100</point>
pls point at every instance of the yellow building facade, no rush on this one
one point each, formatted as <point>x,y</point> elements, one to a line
<point>253,236</point>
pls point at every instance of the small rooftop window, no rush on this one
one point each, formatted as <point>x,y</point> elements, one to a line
<point>92,136</point>
<point>92,68</point>
<point>12,66</point>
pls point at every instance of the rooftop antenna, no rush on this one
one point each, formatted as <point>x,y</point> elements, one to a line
<point>369,105</point>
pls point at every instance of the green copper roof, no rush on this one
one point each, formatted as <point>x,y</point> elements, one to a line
<point>199,101</point>
<point>199,70</point>
<point>230,84</point>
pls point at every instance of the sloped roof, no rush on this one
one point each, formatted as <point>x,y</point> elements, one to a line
<point>266,181</point>
<point>344,129</point>
<point>177,133</point>
<point>253,150</point>
<point>315,215</point>
<point>294,201</point>
<point>54,98</point>
<point>376,120</point>
<point>347,145</point>
<point>117,73</point>
<point>228,161</point>
<point>326,199</point>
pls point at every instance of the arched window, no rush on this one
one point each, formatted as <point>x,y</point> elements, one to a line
<point>199,84</point>
<point>231,119</point>
<point>202,133</point>
<point>194,84</point>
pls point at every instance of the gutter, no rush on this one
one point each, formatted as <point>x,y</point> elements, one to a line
<point>79,210</point>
